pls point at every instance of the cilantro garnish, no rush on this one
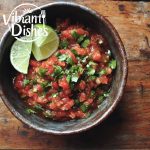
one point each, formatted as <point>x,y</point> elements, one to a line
<point>112,64</point>
<point>26,82</point>
<point>30,111</point>
<point>85,43</point>
<point>64,44</point>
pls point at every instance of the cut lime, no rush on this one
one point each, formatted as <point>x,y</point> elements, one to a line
<point>46,41</point>
<point>20,54</point>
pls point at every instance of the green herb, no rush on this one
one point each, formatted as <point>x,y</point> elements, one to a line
<point>103,96</point>
<point>90,71</point>
<point>38,107</point>
<point>26,82</point>
<point>84,108</point>
<point>63,57</point>
<point>74,34</point>
<point>81,38</point>
<point>74,77</point>
<point>58,72</point>
<point>34,81</point>
<point>47,114</point>
<point>106,94</point>
<point>112,64</point>
<point>91,63</point>
<point>42,71</point>
<point>66,58</point>
<point>92,77</point>
<point>90,68</point>
<point>57,54</point>
<point>74,52</point>
<point>85,43</point>
<point>45,84</point>
<point>80,69</point>
<point>54,95</point>
<point>84,59</point>
<point>30,111</point>
<point>92,93</point>
<point>76,69</point>
<point>102,72</point>
<point>68,78</point>
<point>69,61</point>
<point>63,44</point>
<point>77,102</point>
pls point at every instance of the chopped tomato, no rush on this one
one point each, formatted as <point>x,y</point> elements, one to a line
<point>82,85</point>
<point>96,56</point>
<point>64,84</point>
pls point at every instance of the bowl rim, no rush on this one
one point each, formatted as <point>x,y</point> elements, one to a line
<point>119,94</point>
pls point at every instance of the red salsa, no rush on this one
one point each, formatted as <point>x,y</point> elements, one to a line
<point>74,80</point>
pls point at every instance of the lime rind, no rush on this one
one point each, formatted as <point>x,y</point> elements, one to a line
<point>20,54</point>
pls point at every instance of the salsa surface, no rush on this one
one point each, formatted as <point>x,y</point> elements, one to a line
<point>74,80</point>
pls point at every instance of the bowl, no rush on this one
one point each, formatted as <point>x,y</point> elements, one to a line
<point>92,19</point>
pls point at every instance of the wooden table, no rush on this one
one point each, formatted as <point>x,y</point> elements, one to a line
<point>129,126</point>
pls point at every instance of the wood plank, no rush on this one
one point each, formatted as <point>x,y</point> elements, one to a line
<point>128,127</point>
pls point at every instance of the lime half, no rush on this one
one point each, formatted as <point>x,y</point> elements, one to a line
<point>46,42</point>
<point>20,54</point>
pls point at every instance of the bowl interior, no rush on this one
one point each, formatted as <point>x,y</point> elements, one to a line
<point>88,18</point>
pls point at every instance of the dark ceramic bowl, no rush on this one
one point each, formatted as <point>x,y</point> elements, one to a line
<point>93,20</point>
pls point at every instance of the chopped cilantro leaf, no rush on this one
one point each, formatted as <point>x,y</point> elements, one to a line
<point>38,107</point>
<point>34,81</point>
<point>84,108</point>
<point>68,78</point>
<point>54,95</point>
<point>76,69</point>
<point>74,34</point>
<point>63,44</point>
<point>106,94</point>
<point>81,38</point>
<point>74,52</point>
<point>77,102</point>
<point>92,93</point>
<point>30,111</point>
<point>85,43</point>
<point>102,72</point>
<point>74,78</point>
<point>92,63</point>
<point>63,57</point>
<point>42,71</point>
<point>26,82</point>
<point>58,71</point>
<point>45,84</point>
<point>112,64</point>
<point>102,97</point>
<point>69,61</point>
<point>90,71</point>
<point>92,77</point>
<point>84,59</point>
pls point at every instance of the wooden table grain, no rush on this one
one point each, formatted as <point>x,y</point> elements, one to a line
<point>129,125</point>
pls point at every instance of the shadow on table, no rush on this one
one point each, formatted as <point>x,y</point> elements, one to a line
<point>104,135</point>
